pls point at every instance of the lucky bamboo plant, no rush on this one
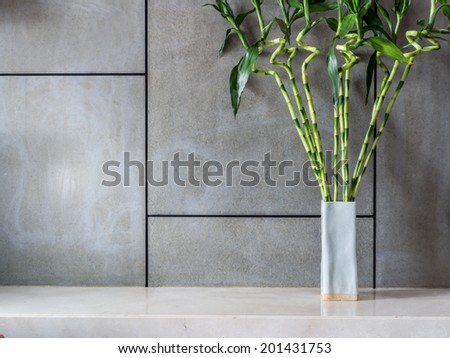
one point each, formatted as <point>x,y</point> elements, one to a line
<point>355,24</point>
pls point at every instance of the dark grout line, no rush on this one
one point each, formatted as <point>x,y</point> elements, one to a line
<point>374,186</point>
<point>81,74</point>
<point>244,216</point>
<point>146,142</point>
<point>374,234</point>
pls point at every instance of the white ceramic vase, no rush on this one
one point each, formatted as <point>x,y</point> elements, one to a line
<point>339,277</point>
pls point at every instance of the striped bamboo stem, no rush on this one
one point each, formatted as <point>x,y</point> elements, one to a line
<point>344,100</point>
<point>281,42</point>
<point>382,126</point>
<point>308,149</point>
<point>341,116</point>
<point>386,71</point>
<point>308,142</point>
<point>312,112</point>
<point>345,135</point>
<point>386,77</point>
<point>257,7</point>
<point>375,113</point>
<point>337,117</point>
<point>284,11</point>
<point>336,155</point>
<point>411,36</point>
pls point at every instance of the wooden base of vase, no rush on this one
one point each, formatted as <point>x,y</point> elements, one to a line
<point>339,297</point>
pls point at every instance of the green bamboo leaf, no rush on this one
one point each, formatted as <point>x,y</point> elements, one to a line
<point>241,17</point>
<point>295,4</point>
<point>365,7</point>
<point>285,29</point>
<point>332,23</point>
<point>224,43</point>
<point>370,73</point>
<point>441,31</point>
<point>386,47</point>
<point>347,24</point>
<point>333,72</point>
<point>266,29</point>
<point>297,14</point>
<point>397,7</point>
<point>314,6</point>
<point>353,6</point>
<point>422,23</point>
<point>401,7</point>
<point>359,7</point>
<point>214,6</point>
<point>372,18</point>
<point>240,75</point>
<point>223,8</point>
<point>220,5</point>
<point>385,14</point>
<point>322,6</point>
<point>377,30</point>
<point>446,10</point>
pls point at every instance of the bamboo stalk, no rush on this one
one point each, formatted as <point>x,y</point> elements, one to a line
<point>336,155</point>
<point>257,7</point>
<point>303,115</point>
<point>294,118</point>
<point>283,10</point>
<point>411,37</point>
<point>341,125</point>
<point>288,68</point>
<point>306,11</point>
<point>344,100</point>
<point>312,112</point>
<point>368,134</point>
<point>346,136</point>
<point>382,126</point>
<point>375,113</point>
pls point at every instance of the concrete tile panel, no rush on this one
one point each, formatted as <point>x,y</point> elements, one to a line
<point>58,224</point>
<point>413,181</point>
<point>72,36</point>
<point>413,225</point>
<point>244,252</point>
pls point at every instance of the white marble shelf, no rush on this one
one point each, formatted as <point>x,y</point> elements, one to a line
<point>220,312</point>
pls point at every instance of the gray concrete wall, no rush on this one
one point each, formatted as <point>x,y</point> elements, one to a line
<point>60,226</point>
